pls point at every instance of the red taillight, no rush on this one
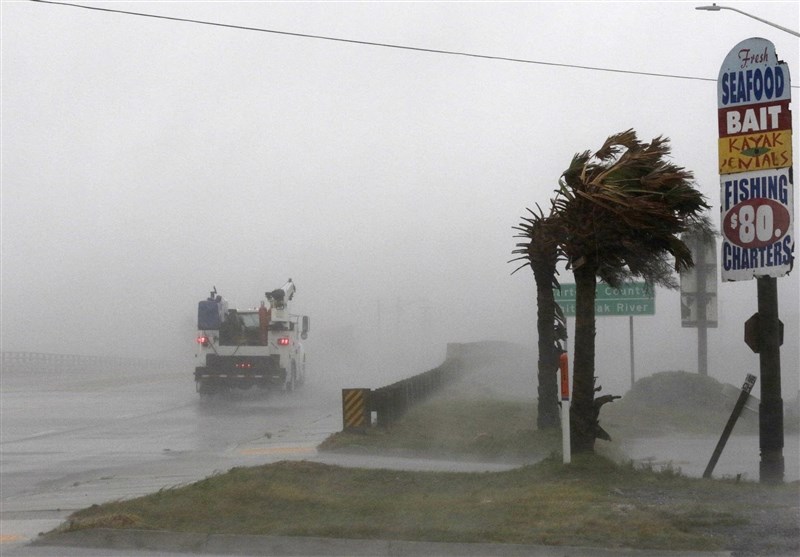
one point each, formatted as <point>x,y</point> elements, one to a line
<point>202,340</point>
<point>244,365</point>
<point>283,341</point>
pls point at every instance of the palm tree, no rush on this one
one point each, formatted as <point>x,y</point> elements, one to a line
<point>541,253</point>
<point>622,209</point>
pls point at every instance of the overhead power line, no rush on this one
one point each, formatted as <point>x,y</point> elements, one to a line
<point>379,44</point>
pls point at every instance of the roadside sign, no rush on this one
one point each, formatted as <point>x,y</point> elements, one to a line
<point>755,160</point>
<point>634,298</point>
<point>563,366</point>
<point>699,284</point>
<point>752,333</point>
<point>355,409</point>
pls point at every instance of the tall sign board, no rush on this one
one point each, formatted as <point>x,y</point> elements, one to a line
<point>755,162</point>
<point>699,284</point>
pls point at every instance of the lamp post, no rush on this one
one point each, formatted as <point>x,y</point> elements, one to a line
<point>715,8</point>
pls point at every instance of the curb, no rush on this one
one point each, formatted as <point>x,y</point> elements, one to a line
<point>289,546</point>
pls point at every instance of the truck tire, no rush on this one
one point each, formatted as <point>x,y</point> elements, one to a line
<point>207,389</point>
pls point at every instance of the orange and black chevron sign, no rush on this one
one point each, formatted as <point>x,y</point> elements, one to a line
<point>354,408</point>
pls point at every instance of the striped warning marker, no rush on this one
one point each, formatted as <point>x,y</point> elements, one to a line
<point>354,408</point>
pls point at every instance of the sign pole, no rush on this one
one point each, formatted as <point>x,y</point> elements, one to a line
<point>770,411</point>
<point>726,433</point>
<point>702,305</point>
<point>630,327</point>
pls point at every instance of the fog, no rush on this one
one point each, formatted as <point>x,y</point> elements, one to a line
<point>145,161</point>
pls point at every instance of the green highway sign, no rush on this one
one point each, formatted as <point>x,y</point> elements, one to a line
<point>634,298</point>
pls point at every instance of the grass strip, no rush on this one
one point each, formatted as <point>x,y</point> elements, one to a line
<point>593,502</point>
<point>447,427</point>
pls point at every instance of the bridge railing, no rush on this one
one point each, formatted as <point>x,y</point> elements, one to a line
<point>391,402</point>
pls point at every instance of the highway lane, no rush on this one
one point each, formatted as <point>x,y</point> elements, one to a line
<point>71,440</point>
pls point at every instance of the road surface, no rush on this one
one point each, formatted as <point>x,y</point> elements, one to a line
<point>73,439</point>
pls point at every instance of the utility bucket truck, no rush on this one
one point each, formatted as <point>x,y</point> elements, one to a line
<point>245,348</point>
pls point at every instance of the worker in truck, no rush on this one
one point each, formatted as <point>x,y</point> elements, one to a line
<point>231,329</point>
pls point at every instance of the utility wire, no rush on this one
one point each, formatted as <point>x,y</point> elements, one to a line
<point>377,44</point>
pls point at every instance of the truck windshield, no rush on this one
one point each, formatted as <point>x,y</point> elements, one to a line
<point>249,320</point>
<point>240,329</point>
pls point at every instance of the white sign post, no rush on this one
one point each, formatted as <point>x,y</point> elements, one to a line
<point>566,443</point>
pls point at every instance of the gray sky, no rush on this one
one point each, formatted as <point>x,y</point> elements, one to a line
<point>145,160</point>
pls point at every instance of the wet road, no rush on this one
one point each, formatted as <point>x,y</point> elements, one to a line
<point>72,440</point>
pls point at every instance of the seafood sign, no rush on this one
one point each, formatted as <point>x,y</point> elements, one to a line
<point>755,162</point>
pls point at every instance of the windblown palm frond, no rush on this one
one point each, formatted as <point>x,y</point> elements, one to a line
<point>543,245</point>
<point>626,204</point>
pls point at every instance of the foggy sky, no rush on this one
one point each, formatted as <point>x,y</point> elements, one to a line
<point>145,161</point>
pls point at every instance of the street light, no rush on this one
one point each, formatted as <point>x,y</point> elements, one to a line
<point>715,8</point>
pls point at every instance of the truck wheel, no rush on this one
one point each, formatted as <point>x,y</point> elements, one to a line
<point>205,389</point>
<point>208,389</point>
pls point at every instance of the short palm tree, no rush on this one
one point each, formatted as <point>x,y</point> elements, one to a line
<point>542,253</point>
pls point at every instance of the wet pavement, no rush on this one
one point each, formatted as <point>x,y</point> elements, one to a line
<point>73,440</point>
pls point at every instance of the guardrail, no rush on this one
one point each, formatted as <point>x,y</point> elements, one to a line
<point>49,362</point>
<point>391,402</point>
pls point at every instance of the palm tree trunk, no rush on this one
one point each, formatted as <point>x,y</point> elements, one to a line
<point>582,411</point>
<point>547,416</point>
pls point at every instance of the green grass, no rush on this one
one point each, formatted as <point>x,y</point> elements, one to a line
<point>593,502</point>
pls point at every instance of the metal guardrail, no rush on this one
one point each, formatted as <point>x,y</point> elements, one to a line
<point>391,402</point>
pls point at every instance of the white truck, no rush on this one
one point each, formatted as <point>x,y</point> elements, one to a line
<point>242,349</point>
